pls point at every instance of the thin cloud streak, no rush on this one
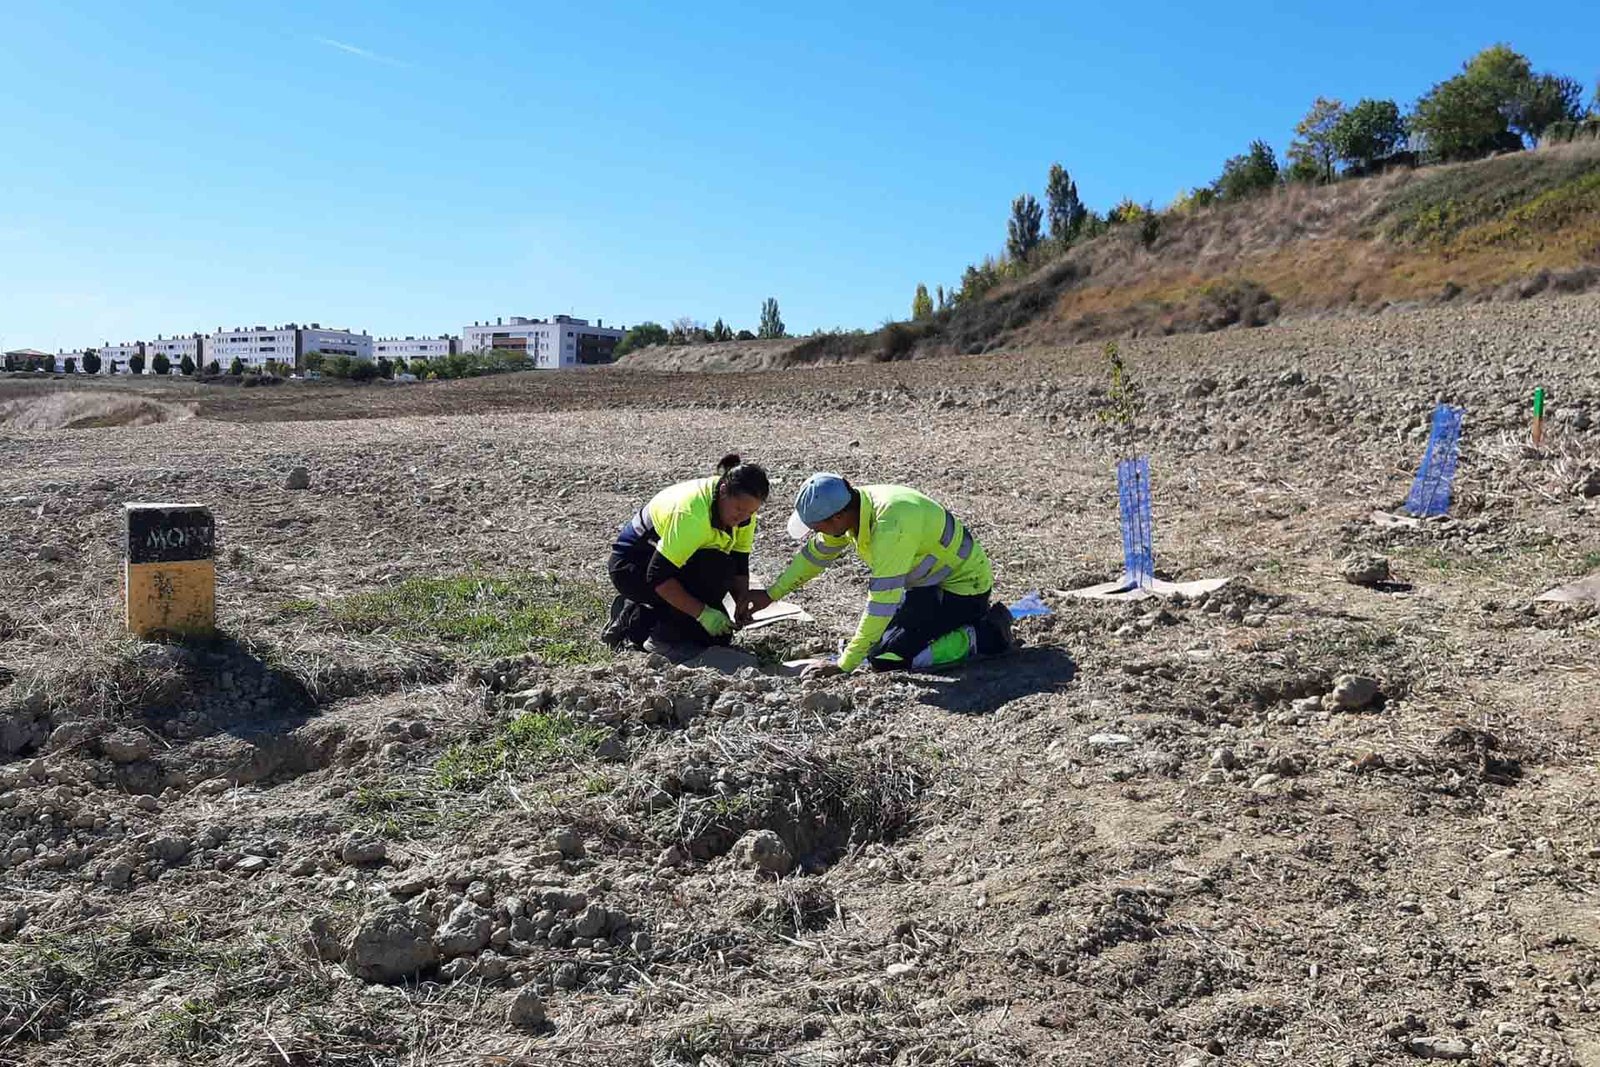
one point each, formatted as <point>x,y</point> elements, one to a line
<point>362,52</point>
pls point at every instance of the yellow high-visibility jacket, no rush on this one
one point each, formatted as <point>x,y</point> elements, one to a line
<point>909,541</point>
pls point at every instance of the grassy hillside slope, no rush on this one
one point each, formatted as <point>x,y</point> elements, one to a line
<point>1503,228</point>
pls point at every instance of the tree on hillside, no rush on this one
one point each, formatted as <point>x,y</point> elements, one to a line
<point>136,364</point>
<point>1248,174</point>
<point>1065,209</point>
<point>721,331</point>
<point>1024,228</point>
<point>1544,101</point>
<point>161,364</point>
<point>1496,104</point>
<point>91,361</point>
<point>69,365</point>
<point>1311,153</point>
<point>236,368</point>
<point>213,368</point>
<point>313,361</point>
<point>942,300</point>
<point>1368,132</point>
<point>641,336</point>
<point>686,330</point>
<point>771,323</point>
<point>186,366</point>
<point>921,304</point>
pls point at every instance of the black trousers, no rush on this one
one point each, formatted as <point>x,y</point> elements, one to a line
<point>708,576</point>
<point>926,615</point>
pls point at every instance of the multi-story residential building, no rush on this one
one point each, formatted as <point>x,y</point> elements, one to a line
<point>563,341</point>
<point>118,359</point>
<point>411,349</point>
<point>332,342</point>
<point>256,346</point>
<point>175,348</point>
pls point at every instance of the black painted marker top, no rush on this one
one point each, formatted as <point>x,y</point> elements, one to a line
<point>169,533</point>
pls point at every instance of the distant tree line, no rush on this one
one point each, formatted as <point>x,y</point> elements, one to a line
<point>688,330</point>
<point>1498,103</point>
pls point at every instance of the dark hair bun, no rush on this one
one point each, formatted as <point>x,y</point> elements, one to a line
<point>728,462</point>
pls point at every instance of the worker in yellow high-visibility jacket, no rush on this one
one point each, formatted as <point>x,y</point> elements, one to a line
<point>679,556</point>
<point>928,601</point>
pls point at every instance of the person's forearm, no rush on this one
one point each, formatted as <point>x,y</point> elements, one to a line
<point>741,588</point>
<point>673,592</point>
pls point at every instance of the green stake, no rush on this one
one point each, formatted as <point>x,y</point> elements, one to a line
<point>1538,416</point>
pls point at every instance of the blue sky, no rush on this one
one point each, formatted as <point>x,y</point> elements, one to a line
<point>405,168</point>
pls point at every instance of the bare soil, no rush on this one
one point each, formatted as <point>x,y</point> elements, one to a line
<point>1153,834</point>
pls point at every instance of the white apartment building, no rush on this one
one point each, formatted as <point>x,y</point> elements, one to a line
<point>414,348</point>
<point>563,341</point>
<point>175,348</point>
<point>116,359</point>
<point>256,346</point>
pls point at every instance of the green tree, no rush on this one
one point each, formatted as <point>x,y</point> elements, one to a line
<point>942,301</point>
<point>69,365</point>
<point>921,304</point>
<point>385,368</point>
<point>313,361</point>
<point>771,323</point>
<point>186,366</point>
<point>721,331</point>
<point>1368,132</point>
<point>213,368</point>
<point>1065,208</point>
<point>641,336</point>
<point>236,368</point>
<point>1023,228</point>
<point>1544,101</point>
<point>161,364</point>
<point>91,361</point>
<point>1311,153</point>
<point>1249,174</point>
<point>136,364</point>
<point>1495,104</point>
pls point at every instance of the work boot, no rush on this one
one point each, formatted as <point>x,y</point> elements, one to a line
<point>631,622</point>
<point>997,623</point>
<point>675,651</point>
<point>616,631</point>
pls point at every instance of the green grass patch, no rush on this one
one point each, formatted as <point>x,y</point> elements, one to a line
<point>531,740</point>
<point>297,607</point>
<point>1518,195</point>
<point>486,617</point>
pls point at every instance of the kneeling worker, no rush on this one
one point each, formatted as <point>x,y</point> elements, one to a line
<point>680,555</point>
<point>928,604</point>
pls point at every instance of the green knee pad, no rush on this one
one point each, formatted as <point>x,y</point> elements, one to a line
<point>954,647</point>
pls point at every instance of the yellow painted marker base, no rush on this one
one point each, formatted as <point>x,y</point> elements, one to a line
<point>176,599</point>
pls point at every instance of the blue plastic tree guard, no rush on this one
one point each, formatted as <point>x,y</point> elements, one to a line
<point>1133,496</point>
<point>1430,492</point>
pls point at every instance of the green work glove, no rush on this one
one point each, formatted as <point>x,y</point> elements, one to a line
<point>714,622</point>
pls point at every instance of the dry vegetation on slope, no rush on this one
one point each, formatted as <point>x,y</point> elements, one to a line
<point>1504,228</point>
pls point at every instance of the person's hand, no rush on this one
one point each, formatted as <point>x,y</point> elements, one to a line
<point>825,669</point>
<point>742,617</point>
<point>714,622</point>
<point>758,600</point>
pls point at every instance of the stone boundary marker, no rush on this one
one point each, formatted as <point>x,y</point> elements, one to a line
<point>170,576</point>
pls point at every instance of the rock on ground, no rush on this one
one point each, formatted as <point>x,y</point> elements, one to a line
<point>763,850</point>
<point>465,930</point>
<point>391,944</point>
